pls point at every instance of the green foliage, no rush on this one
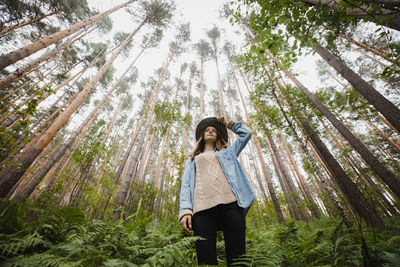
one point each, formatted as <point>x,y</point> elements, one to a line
<point>92,146</point>
<point>104,25</point>
<point>167,113</point>
<point>64,237</point>
<point>106,79</point>
<point>119,38</point>
<point>290,28</point>
<point>157,13</point>
<point>19,123</point>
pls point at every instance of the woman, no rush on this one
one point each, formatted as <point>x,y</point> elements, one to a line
<point>215,190</point>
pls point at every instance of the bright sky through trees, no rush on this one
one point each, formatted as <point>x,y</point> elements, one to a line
<point>202,16</point>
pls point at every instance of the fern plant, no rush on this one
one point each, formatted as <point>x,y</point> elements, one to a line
<point>65,237</point>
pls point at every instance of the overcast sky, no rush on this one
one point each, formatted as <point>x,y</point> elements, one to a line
<point>201,15</point>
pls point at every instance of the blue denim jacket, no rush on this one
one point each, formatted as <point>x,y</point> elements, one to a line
<point>228,157</point>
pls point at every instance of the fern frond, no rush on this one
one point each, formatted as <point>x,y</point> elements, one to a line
<point>118,263</point>
<point>43,259</point>
<point>390,259</point>
<point>173,254</point>
<point>15,245</point>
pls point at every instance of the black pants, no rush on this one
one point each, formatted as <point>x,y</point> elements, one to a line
<point>230,217</point>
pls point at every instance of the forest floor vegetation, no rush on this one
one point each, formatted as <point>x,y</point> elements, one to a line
<point>64,236</point>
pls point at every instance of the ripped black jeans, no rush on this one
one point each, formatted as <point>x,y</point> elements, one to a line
<point>228,217</point>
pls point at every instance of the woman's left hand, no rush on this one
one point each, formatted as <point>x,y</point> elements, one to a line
<point>222,119</point>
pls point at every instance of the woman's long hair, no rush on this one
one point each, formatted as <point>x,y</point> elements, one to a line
<point>199,147</point>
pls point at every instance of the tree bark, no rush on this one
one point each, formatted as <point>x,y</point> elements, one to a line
<point>268,179</point>
<point>270,185</point>
<point>384,106</point>
<point>19,72</point>
<point>292,193</point>
<point>375,50</point>
<point>11,175</point>
<point>302,185</point>
<point>26,22</point>
<point>123,190</point>
<point>384,173</point>
<point>364,11</point>
<point>358,170</point>
<point>352,194</point>
<point>258,174</point>
<point>164,160</point>
<point>15,56</point>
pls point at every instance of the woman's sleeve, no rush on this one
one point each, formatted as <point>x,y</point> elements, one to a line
<point>244,136</point>
<point>185,198</point>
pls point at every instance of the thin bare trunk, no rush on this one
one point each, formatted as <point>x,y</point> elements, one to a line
<point>258,174</point>
<point>163,160</point>
<point>19,72</point>
<point>385,17</point>
<point>375,50</point>
<point>268,179</point>
<point>123,190</point>
<point>201,88</point>
<point>14,56</point>
<point>26,22</point>
<point>302,185</point>
<point>384,173</point>
<point>384,106</point>
<point>11,175</point>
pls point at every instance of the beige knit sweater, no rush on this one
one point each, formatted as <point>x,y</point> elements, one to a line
<point>212,187</point>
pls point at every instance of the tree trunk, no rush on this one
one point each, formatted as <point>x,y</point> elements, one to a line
<point>220,93</point>
<point>385,174</point>
<point>387,17</point>
<point>27,81</point>
<point>322,180</point>
<point>258,174</point>
<point>42,96</point>
<point>371,58</point>
<point>88,174</point>
<point>14,56</point>
<point>70,99</point>
<point>290,190</point>
<point>19,72</point>
<point>146,158</point>
<point>384,106</point>
<point>358,170</point>
<point>370,94</point>
<point>160,187</point>
<point>123,190</point>
<point>270,185</point>
<point>134,162</point>
<point>43,125</point>
<point>11,175</point>
<point>201,88</point>
<point>268,179</point>
<point>388,124</point>
<point>119,170</point>
<point>381,133</point>
<point>302,185</point>
<point>30,88</point>
<point>26,22</point>
<point>149,167</point>
<point>186,129</point>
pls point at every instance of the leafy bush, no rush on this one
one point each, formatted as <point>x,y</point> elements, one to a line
<point>65,237</point>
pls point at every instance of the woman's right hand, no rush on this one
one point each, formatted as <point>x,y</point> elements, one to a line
<point>186,223</point>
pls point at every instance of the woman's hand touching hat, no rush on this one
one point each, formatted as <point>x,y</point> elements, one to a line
<point>222,119</point>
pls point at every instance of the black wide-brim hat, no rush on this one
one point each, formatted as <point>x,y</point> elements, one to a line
<point>211,121</point>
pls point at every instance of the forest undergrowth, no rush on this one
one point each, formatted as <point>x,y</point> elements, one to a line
<point>64,236</point>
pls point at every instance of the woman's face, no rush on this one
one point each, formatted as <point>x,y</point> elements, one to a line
<point>210,135</point>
